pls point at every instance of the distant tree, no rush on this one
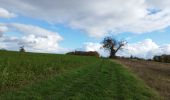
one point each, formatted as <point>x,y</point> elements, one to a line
<point>112,45</point>
<point>22,49</point>
<point>156,58</point>
<point>3,49</point>
<point>131,57</point>
<point>162,58</point>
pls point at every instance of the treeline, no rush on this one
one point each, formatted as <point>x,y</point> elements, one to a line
<point>132,57</point>
<point>162,58</point>
<point>83,53</point>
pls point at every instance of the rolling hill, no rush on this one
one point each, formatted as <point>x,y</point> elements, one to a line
<point>36,76</point>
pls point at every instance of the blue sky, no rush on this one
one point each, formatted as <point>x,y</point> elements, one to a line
<point>73,38</point>
<point>60,26</point>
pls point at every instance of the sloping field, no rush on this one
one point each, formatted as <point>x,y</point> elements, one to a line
<point>155,74</point>
<point>32,76</point>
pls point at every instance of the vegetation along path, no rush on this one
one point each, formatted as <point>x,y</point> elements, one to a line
<point>155,74</point>
<point>32,76</point>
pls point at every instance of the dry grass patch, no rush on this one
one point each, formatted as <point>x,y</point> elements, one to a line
<point>155,74</point>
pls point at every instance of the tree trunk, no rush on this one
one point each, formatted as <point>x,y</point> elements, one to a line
<point>112,53</point>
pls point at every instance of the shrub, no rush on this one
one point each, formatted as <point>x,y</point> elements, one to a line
<point>83,53</point>
<point>162,58</point>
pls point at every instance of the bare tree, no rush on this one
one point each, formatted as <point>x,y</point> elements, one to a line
<point>112,45</point>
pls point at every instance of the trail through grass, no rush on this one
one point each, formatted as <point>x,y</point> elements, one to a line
<point>59,77</point>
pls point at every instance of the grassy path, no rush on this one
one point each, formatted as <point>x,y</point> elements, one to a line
<point>92,79</point>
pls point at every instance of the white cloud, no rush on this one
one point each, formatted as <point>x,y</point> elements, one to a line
<point>139,49</point>
<point>38,39</point>
<point>8,42</point>
<point>3,28</point>
<point>6,14</point>
<point>34,38</point>
<point>97,17</point>
<point>2,46</point>
<point>90,46</point>
<point>144,49</point>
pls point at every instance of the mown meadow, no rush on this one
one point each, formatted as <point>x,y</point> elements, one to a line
<point>35,76</point>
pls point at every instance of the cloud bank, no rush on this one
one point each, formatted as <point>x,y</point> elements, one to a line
<point>145,49</point>
<point>98,17</point>
<point>34,38</point>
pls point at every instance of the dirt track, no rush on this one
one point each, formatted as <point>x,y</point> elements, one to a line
<point>155,74</point>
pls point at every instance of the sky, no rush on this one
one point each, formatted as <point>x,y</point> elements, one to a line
<point>60,26</point>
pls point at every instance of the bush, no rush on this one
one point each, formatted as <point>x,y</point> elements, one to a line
<point>162,58</point>
<point>83,53</point>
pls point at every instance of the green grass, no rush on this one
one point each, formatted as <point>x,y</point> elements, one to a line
<point>31,76</point>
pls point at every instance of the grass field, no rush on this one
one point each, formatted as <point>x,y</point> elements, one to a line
<point>155,74</point>
<point>30,76</point>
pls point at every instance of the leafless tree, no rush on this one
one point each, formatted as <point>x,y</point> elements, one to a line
<point>112,45</point>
